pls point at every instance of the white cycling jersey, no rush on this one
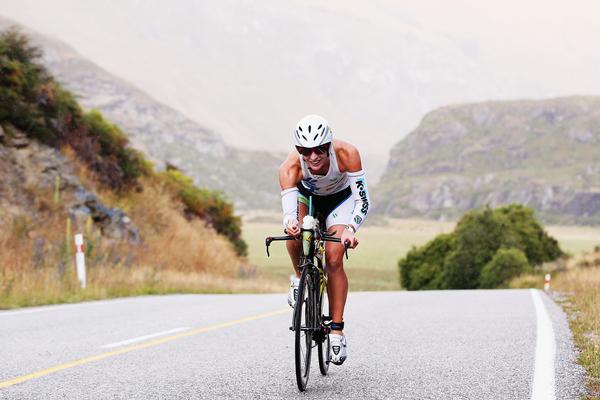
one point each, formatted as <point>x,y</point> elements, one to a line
<point>323,185</point>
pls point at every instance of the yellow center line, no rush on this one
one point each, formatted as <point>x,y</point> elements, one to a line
<point>140,346</point>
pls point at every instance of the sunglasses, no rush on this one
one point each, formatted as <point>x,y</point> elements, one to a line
<point>307,151</point>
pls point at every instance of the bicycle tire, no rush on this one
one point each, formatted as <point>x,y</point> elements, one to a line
<point>303,337</point>
<point>323,346</point>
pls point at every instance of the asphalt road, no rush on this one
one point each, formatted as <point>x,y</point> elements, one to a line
<point>402,345</point>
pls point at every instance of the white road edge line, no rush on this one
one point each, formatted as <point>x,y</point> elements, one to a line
<point>34,310</point>
<point>142,338</point>
<point>545,351</point>
<point>60,307</point>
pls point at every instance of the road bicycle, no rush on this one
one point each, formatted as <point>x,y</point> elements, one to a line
<point>310,325</point>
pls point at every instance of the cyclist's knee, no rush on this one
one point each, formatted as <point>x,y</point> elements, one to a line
<point>335,261</point>
<point>333,269</point>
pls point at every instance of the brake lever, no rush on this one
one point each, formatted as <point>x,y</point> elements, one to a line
<point>267,244</point>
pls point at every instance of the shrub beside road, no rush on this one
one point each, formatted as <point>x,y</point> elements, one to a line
<point>486,249</point>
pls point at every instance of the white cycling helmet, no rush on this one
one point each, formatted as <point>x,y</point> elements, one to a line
<point>312,131</point>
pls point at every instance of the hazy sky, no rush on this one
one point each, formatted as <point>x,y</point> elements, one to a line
<point>250,69</point>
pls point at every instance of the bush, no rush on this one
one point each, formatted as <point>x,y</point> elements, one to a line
<point>529,236</point>
<point>506,264</point>
<point>423,267</point>
<point>473,245</point>
<point>20,79</point>
<point>478,236</point>
<point>16,46</point>
<point>208,205</point>
<point>121,165</point>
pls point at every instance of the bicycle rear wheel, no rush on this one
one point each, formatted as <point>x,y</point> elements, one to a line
<point>303,324</point>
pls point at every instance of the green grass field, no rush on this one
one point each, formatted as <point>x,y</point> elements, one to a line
<point>373,264</point>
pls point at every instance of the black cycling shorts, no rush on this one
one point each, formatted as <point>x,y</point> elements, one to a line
<point>323,205</point>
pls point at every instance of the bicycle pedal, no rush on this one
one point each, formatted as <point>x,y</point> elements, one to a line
<point>291,328</point>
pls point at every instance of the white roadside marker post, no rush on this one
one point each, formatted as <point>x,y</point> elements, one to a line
<point>80,259</point>
<point>547,282</point>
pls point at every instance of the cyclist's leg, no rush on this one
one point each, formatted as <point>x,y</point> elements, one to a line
<point>337,283</point>
<point>294,247</point>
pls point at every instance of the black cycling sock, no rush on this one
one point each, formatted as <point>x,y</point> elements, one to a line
<point>337,326</point>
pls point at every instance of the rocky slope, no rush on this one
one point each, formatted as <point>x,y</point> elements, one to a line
<point>544,154</point>
<point>247,177</point>
<point>33,176</point>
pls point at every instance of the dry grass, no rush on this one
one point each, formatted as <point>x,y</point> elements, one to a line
<point>176,255</point>
<point>527,281</point>
<point>47,287</point>
<point>580,284</point>
<point>172,242</point>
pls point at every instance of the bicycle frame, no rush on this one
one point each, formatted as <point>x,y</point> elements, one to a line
<point>316,249</point>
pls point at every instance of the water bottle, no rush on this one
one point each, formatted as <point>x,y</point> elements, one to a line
<point>308,226</point>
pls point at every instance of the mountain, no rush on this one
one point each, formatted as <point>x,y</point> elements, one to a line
<point>249,178</point>
<point>541,153</point>
<point>250,70</point>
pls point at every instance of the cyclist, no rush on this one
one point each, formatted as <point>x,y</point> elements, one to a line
<point>331,172</point>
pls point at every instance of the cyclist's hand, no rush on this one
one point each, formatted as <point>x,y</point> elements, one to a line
<point>292,229</point>
<point>349,239</point>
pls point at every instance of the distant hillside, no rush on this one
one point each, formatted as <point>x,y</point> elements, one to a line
<point>372,68</point>
<point>544,154</point>
<point>249,178</point>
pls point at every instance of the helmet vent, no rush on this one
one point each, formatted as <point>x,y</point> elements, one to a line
<point>304,137</point>
<point>300,128</point>
<point>309,129</point>
<point>315,138</point>
<point>319,126</point>
<point>297,134</point>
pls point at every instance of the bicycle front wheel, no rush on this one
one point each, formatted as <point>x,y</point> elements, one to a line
<point>323,344</point>
<point>303,329</point>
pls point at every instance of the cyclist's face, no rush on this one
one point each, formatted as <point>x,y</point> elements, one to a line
<point>315,157</point>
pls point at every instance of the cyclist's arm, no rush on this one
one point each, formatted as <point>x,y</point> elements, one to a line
<point>290,173</point>
<point>350,162</point>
